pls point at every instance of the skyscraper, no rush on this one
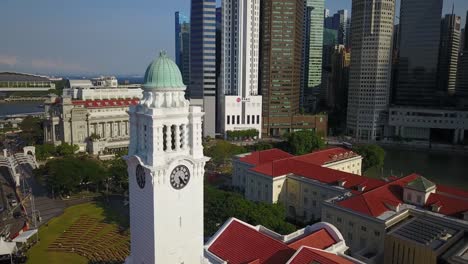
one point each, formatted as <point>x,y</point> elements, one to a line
<point>241,104</point>
<point>419,51</point>
<point>202,86</point>
<point>281,45</point>
<point>448,53</point>
<point>182,45</point>
<point>339,22</point>
<point>370,70</point>
<point>313,42</point>
<point>462,74</point>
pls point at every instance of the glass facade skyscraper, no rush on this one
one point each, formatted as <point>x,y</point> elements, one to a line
<point>202,86</point>
<point>419,51</point>
<point>448,53</point>
<point>182,45</point>
<point>313,42</point>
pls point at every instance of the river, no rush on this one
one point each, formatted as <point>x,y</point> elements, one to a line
<point>447,168</point>
<point>7,108</point>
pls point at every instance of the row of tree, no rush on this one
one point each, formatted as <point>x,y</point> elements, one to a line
<point>45,151</point>
<point>72,174</point>
<point>242,134</point>
<point>221,205</point>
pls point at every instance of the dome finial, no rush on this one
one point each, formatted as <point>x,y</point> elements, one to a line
<point>162,53</point>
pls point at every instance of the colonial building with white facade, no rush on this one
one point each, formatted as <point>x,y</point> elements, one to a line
<point>240,103</point>
<point>91,114</point>
<point>300,183</point>
<point>166,175</point>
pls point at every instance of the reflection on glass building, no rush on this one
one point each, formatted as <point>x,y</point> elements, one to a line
<point>419,50</point>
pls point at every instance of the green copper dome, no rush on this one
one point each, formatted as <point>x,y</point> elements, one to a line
<point>163,74</point>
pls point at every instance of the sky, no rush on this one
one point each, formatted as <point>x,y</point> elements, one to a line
<point>119,37</point>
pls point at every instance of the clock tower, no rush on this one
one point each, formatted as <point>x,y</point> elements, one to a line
<point>165,168</point>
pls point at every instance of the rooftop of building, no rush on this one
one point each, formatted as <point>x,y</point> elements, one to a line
<point>306,255</point>
<point>427,231</point>
<point>275,163</point>
<point>22,77</point>
<point>389,198</point>
<point>240,243</point>
<point>164,74</point>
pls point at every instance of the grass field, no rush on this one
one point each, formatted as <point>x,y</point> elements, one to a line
<point>62,227</point>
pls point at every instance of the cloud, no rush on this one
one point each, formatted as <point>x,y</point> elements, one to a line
<point>8,60</point>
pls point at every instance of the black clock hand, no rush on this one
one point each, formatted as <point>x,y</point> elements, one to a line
<point>181,179</point>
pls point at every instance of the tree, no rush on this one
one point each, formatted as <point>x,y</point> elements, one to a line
<point>118,172</point>
<point>304,141</point>
<point>66,149</point>
<point>31,130</point>
<point>70,174</point>
<point>222,152</point>
<point>220,205</point>
<point>44,151</point>
<point>373,155</point>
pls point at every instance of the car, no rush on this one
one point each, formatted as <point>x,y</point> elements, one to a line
<point>17,215</point>
<point>13,202</point>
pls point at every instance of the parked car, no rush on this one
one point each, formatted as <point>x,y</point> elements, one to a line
<point>17,215</point>
<point>13,202</point>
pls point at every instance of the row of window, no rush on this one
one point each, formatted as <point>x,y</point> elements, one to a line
<point>254,119</point>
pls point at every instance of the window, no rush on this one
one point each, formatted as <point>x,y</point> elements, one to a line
<point>338,219</point>
<point>314,203</point>
<point>228,120</point>
<point>363,228</point>
<point>306,200</point>
<point>350,236</point>
<point>351,224</point>
<point>408,197</point>
<point>419,199</point>
<point>376,233</point>
<point>328,216</point>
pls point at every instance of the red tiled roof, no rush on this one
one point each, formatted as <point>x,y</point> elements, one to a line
<point>261,157</point>
<point>322,157</point>
<point>449,205</point>
<point>309,255</point>
<point>239,243</point>
<point>450,191</point>
<point>320,239</point>
<point>377,201</point>
<point>316,172</point>
<point>106,103</point>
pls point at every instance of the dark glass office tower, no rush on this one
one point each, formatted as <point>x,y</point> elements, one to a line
<point>448,53</point>
<point>182,45</point>
<point>419,51</point>
<point>202,86</point>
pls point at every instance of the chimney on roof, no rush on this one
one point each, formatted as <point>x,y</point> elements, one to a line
<point>341,182</point>
<point>435,207</point>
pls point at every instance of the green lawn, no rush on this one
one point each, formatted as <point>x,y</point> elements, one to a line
<point>56,227</point>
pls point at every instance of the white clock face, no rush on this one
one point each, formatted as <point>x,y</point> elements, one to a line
<point>140,176</point>
<point>180,177</point>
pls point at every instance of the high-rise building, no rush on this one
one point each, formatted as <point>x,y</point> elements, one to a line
<point>448,53</point>
<point>339,22</point>
<point>419,50</point>
<point>370,69</point>
<point>182,45</point>
<point>281,44</point>
<point>313,42</point>
<point>462,74</point>
<point>338,83</point>
<point>241,105</point>
<point>202,86</point>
